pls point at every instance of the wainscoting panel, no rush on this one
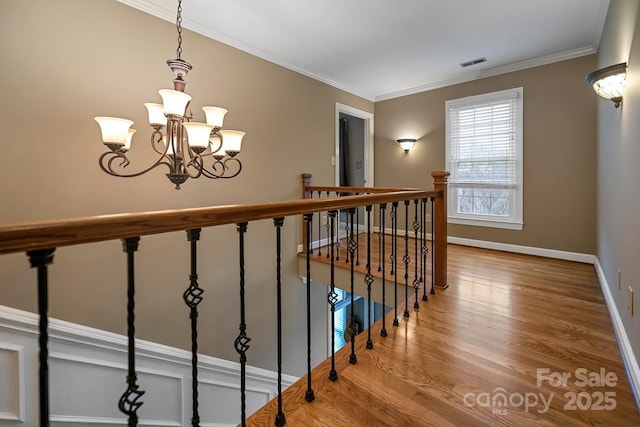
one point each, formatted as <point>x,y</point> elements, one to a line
<point>87,377</point>
<point>12,386</point>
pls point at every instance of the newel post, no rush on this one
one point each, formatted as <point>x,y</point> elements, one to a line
<point>440,228</point>
<point>306,194</point>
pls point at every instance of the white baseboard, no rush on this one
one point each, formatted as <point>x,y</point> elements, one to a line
<point>81,357</point>
<point>506,247</point>
<point>528,250</point>
<point>629,359</point>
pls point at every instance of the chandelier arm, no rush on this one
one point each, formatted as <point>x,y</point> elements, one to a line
<point>211,175</point>
<point>110,157</point>
<point>225,168</point>
<point>156,141</point>
<point>237,162</point>
<point>195,162</point>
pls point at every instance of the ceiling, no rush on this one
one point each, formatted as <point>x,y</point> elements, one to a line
<point>381,49</point>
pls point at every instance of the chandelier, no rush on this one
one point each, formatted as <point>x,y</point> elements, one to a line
<point>188,149</point>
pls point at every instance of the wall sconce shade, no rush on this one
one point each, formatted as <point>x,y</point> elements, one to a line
<point>609,82</point>
<point>406,143</point>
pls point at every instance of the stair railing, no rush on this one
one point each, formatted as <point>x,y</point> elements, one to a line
<point>39,240</point>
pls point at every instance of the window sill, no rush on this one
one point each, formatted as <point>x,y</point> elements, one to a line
<point>486,223</point>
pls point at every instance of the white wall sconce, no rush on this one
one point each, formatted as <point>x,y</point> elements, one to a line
<point>406,143</point>
<point>609,82</point>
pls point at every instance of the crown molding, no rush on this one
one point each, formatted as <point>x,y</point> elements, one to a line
<point>169,16</point>
<point>490,72</point>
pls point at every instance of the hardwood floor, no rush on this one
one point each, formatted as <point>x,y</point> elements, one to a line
<point>507,326</point>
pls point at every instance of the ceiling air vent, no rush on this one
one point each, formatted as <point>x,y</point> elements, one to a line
<point>473,62</point>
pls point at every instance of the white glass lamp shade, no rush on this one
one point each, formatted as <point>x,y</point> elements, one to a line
<point>406,143</point>
<point>232,141</point>
<point>174,102</point>
<point>156,114</point>
<point>114,130</point>
<point>610,87</point>
<point>609,82</point>
<point>127,144</point>
<point>215,115</point>
<point>198,135</point>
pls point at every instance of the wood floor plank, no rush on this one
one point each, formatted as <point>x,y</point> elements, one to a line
<point>503,318</point>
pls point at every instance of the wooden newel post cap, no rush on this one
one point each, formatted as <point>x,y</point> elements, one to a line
<point>440,176</point>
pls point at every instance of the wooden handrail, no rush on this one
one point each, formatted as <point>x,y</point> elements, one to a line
<point>51,234</point>
<point>364,190</point>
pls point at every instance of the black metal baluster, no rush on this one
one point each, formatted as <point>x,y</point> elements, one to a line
<point>319,228</point>
<point>128,403</point>
<point>425,250</point>
<point>40,259</point>
<point>348,239</point>
<point>433,249</point>
<point>333,299</point>
<point>327,227</point>
<point>416,260</point>
<point>278,223</point>
<point>242,341</point>
<point>353,327</point>
<point>309,396</point>
<point>192,297</point>
<point>357,233</point>
<point>394,259</point>
<point>338,234</point>
<point>379,233</point>
<point>406,259</point>
<point>381,255</point>
<point>368,278</point>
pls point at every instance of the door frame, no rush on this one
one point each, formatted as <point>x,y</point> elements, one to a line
<point>368,141</point>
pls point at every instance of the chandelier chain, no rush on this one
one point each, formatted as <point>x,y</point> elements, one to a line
<point>179,26</point>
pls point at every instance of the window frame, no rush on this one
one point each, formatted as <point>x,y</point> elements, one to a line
<point>515,220</point>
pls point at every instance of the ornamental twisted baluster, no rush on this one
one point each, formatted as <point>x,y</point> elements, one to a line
<point>383,209</point>
<point>357,233</point>
<point>278,223</point>
<point>368,278</point>
<point>327,227</point>
<point>319,227</point>
<point>433,249</point>
<point>425,250</point>
<point>416,278</point>
<point>332,297</point>
<point>353,327</point>
<point>346,230</point>
<point>41,259</point>
<point>129,401</point>
<point>241,343</point>
<point>309,395</point>
<point>394,259</point>
<point>192,297</point>
<point>338,234</point>
<point>406,259</point>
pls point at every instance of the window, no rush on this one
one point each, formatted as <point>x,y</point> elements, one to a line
<point>484,157</point>
<point>340,317</point>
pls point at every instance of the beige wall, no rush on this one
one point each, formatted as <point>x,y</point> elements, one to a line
<point>618,171</point>
<point>559,151</point>
<point>70,60</point>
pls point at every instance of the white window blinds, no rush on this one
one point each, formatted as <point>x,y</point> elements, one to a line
<point>484,157</point>
<point>483,142</point>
